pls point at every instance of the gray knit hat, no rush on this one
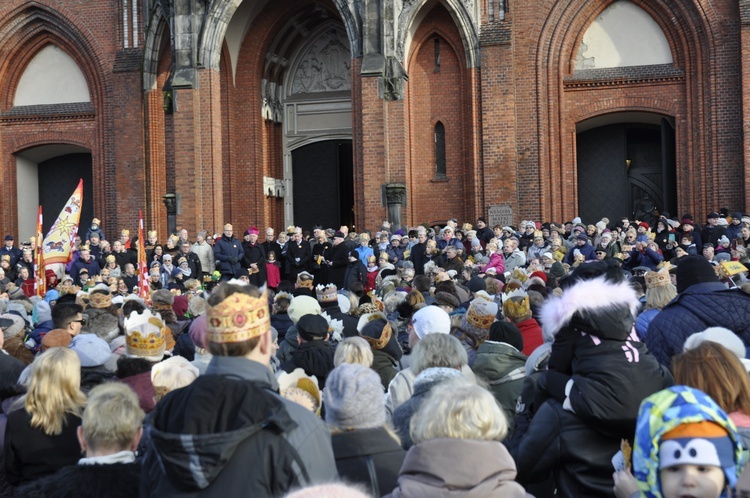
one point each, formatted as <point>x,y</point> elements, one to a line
<point>353,398</point>
<point>14,329</point>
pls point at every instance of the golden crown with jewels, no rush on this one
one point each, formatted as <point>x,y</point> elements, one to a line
<point>145,335</point>
<point>238,318</point>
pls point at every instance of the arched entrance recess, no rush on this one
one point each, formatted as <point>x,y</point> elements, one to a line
<point>318,164</point>
<point>46,176</point>
<point>626,166</point>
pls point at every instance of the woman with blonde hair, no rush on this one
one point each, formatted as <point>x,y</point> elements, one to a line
<point>40,437</point>
<point>659,292</point>
<point>457,450</point>
<point>353,350</point>
<point>715,370</point>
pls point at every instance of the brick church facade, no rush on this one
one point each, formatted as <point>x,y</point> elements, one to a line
<point>351,112</point>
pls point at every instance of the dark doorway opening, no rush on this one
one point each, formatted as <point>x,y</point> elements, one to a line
<point>58,179</point>
<point>627,169</point>
<point>323,184</point>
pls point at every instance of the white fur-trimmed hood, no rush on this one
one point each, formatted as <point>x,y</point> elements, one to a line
<point>587,295</point>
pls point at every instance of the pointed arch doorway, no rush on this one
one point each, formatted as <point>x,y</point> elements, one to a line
<point>318,161</point>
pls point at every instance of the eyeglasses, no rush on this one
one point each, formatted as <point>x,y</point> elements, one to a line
<point>82,321</point>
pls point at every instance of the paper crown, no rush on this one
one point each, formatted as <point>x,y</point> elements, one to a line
<point>326,293</point>
<point>519,274</point>
<point>657,279</point>
<point>282,294</point>
<point>298,379</point>
<point>238,318</point>
<point>516,309</point>
<point>481,313</point>
<point>385,335</point>
<point>370,259</point>
<point>152,233</point>
<point>145,336</point>
<point>100,300</point>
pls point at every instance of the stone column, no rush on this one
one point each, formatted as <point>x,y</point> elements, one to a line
<point>395,195</point>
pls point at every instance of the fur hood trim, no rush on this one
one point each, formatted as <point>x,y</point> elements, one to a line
<point>594,295</point>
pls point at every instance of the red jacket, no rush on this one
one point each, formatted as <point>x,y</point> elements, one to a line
<point>532,335</point>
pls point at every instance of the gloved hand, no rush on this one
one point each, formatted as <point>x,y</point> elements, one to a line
<point>233,260</point>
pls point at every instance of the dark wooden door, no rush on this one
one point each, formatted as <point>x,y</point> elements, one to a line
<point>58,179</point>
<point>323,185</point>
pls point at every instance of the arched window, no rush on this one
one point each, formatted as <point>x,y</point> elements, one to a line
<point>439,150</point>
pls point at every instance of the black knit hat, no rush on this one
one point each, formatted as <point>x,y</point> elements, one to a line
<point>694,270</point>
<point>506,332</point>
<point>476,284</point>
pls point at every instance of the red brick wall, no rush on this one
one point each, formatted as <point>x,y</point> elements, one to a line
<point>439,95</point>
<point>514,116</point>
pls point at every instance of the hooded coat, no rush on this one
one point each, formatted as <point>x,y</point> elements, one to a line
<point>503,368</point>
<point>230,434</point>
<point>598,367</point>
<point>442,468</point>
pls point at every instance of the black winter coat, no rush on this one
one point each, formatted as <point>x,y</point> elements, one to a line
<point>339,258</point>
<point>116,480</point>
<point>314,357</point>
<point>552,446</point>
<point>355,272</point>
<point>370,457</point>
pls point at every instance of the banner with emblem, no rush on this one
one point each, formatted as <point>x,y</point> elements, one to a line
<point>143,284</point>
<point>40,280</point>
<point>58,244</point>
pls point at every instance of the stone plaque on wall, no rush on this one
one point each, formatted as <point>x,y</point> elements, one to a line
<point>500,214</point>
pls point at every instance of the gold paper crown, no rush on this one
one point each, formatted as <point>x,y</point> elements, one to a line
<point>383,255</point>
<point>477,319</point>
<point>520,275</point>
<point>326,293</point>
<point>125,231</point>
<point>516,309</point>
<point>145,335</point>
<point>657,279</point>
<point>99,300</point>
<point>385,335</point>
<point>152,233</point>
<point>111,258</point>
<point>370,259</point>
<point>238,318</point>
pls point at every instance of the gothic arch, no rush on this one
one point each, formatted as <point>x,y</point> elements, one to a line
<point>461,16</point>
<point>26,29</point>
<point>31,27</point>
<point>688,29</point>
<point>221,12</point>
<point>157,27</point>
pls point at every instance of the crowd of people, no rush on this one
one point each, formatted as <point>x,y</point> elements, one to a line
<point>546,359</point>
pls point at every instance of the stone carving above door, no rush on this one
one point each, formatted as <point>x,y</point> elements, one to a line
<point>326,65</point>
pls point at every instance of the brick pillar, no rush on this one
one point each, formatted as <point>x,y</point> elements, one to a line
<point>130,173</point>
<point>370,164</point>
<point>198,154</point>
<point>155,215</point>
<point>745,94</point>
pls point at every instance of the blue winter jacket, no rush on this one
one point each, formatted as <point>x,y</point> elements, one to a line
<point>697,308</point>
